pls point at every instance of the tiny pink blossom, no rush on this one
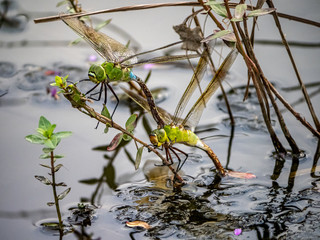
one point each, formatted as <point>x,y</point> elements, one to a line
<point>237,231</point>
<point>148,66</point>
<point>92,58</point>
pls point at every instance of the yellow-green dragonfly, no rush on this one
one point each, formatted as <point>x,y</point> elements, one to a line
<point>177,130</point>
<point>119,60</point>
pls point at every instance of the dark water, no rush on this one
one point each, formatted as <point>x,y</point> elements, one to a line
<point>283,202</point>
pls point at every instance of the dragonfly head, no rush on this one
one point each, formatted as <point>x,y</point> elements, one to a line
<point>158,137</point>
<point>96,73</point>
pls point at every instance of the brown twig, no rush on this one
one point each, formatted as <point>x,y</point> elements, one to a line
<point>120,9</point>
<point>303,88</point>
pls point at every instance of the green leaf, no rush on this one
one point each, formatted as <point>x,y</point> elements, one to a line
<point>126,137</point>
<point>138,157</point>
<point>45,156</point>
<point>63,194</point>
<point>61,184</point>
<point>218,8</point>
<point>131,122</point>
<point>50,204</point>
<point>43,179</point>
<point>44,123</point>
<point>59,4</point>
<point>42,132</point>
<point>56,168</point>
<point>44,165</point>
<point>35,139</point>
<point>58,156</point>
<point>106,129</point>
<point>217,34</point>
<point>261,12</point>
<point>115,142</point>
<point>102,24</point>
<point>48,143</point>
<point>105,112</point>
<point>239,12</point>
<point>63,134</point>
<point>90,181</point>
<point>47,150</point>
<point>50,130</point>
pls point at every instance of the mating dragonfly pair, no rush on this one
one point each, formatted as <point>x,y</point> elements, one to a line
<point>119,60</point>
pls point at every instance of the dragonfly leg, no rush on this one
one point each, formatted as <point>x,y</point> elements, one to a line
<point>117,99</point>
<point>100,92</point>
<point>168,157</point>
<point>92,89</point>
<point>105,98</point>
<point>184,160</point>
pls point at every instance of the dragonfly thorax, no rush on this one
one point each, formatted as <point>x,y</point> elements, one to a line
<point>115,72</point>
<point>109,71</point>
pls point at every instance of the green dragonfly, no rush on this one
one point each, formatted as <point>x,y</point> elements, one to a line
<point>119,60</point>
<point>177,130</point>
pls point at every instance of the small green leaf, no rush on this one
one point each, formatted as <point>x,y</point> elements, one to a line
<point>56,168</point>
<point>48,143</point>
<point>131,122</point>
<point>115,142</point>
<point>44,165</point>
<point>138,157</point>
<point>218,8</point>
<point>58,156</point>
<point>105,112</point>
<point>217,34</point>
<point>43,179</point>
<point>42,132</point>
<point>239,12</point>
<point>44,123</point>
<point>61,184</point>
<point>106,129</point>
<point>90,181</point>
<point>63,134</point>
<point>102,24</point>
<point>63,194</point>
<point>50,204</point>
<point>261,12</point>
<point>50,130</point>
<point>35,139</point>
<point>47,150</point>
<point>59,4</point>
<point>45,156</point>
<point>126,137</point>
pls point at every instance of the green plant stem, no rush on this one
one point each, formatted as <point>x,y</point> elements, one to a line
<point>56,200</point>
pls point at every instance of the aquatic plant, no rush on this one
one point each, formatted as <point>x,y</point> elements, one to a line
<point>45,136</point>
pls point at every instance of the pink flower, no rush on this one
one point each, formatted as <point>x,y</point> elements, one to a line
<point>237,231</point>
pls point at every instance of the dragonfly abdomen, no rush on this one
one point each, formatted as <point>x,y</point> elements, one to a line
<point>180,135</point>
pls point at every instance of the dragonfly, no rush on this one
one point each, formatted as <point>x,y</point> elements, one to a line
<point>177,130</point>
<point>119,60</point>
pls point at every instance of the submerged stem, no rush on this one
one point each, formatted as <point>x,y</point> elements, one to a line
<point>54,189</point>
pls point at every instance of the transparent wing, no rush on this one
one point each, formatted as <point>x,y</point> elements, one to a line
<point>194,115</point>
<point>142,102</point>
<point>163,59</point>
<point>107,47</point>
<point>194,83</point>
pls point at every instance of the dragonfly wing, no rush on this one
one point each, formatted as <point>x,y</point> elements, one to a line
<point>143,103</point>
<point>165,59</point>
<point>194,115</point>
<point>194,82</point>
<point>107,47</point>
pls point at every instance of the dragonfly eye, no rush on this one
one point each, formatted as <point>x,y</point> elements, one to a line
<point>92,77</point>
<point>154,139</point>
